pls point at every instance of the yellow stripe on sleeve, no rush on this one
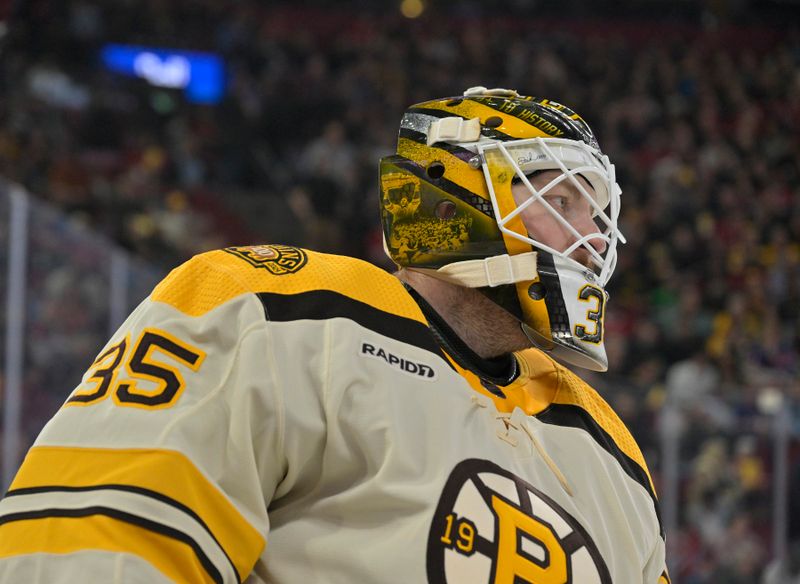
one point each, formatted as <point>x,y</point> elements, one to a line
<point>166,472</point>
<point>64,535</point>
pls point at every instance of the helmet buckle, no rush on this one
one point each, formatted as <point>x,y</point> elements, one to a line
<point>454,129</point>
<point>481,91</point>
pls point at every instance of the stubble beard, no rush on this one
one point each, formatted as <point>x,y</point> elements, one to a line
<point>485,327</point>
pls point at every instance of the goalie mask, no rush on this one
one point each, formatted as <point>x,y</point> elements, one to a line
<point>460,198</point>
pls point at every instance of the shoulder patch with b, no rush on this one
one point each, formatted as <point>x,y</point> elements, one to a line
<point>278,259</point>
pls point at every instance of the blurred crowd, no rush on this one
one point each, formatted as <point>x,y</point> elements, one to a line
<point>702,122</point>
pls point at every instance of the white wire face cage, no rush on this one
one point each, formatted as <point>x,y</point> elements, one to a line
<point>572,158</point>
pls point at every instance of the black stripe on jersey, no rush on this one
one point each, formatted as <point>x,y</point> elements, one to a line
<point>130,489</point>
<point>207,564</point>
<point>326,304</point>
<point>576,417</point>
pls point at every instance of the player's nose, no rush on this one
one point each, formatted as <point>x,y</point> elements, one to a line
<point>587,227</point>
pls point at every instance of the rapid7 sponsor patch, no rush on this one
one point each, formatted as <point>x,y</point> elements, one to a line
<point>408,366</point>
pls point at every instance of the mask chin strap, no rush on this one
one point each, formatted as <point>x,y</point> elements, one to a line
<point>493,271</point>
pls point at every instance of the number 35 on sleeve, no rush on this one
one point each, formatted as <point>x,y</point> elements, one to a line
<point>152,358</point>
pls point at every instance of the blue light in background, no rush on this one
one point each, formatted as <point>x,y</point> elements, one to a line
<point>200,75</point>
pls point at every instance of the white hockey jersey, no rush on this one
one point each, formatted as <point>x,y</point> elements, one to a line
<point>275,415</point>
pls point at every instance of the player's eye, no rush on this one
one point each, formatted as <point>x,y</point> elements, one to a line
<point>559,202</point>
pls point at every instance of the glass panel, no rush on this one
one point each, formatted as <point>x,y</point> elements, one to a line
<point>142,278</point>
<point>4,216</point>
<point>67,311</point>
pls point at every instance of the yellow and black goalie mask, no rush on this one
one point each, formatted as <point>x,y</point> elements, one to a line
<point>449,209</point>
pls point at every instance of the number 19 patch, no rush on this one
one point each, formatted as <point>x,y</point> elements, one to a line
<point>492,527</point>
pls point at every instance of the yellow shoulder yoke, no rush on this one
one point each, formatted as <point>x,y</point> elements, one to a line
<point>211,279</point>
